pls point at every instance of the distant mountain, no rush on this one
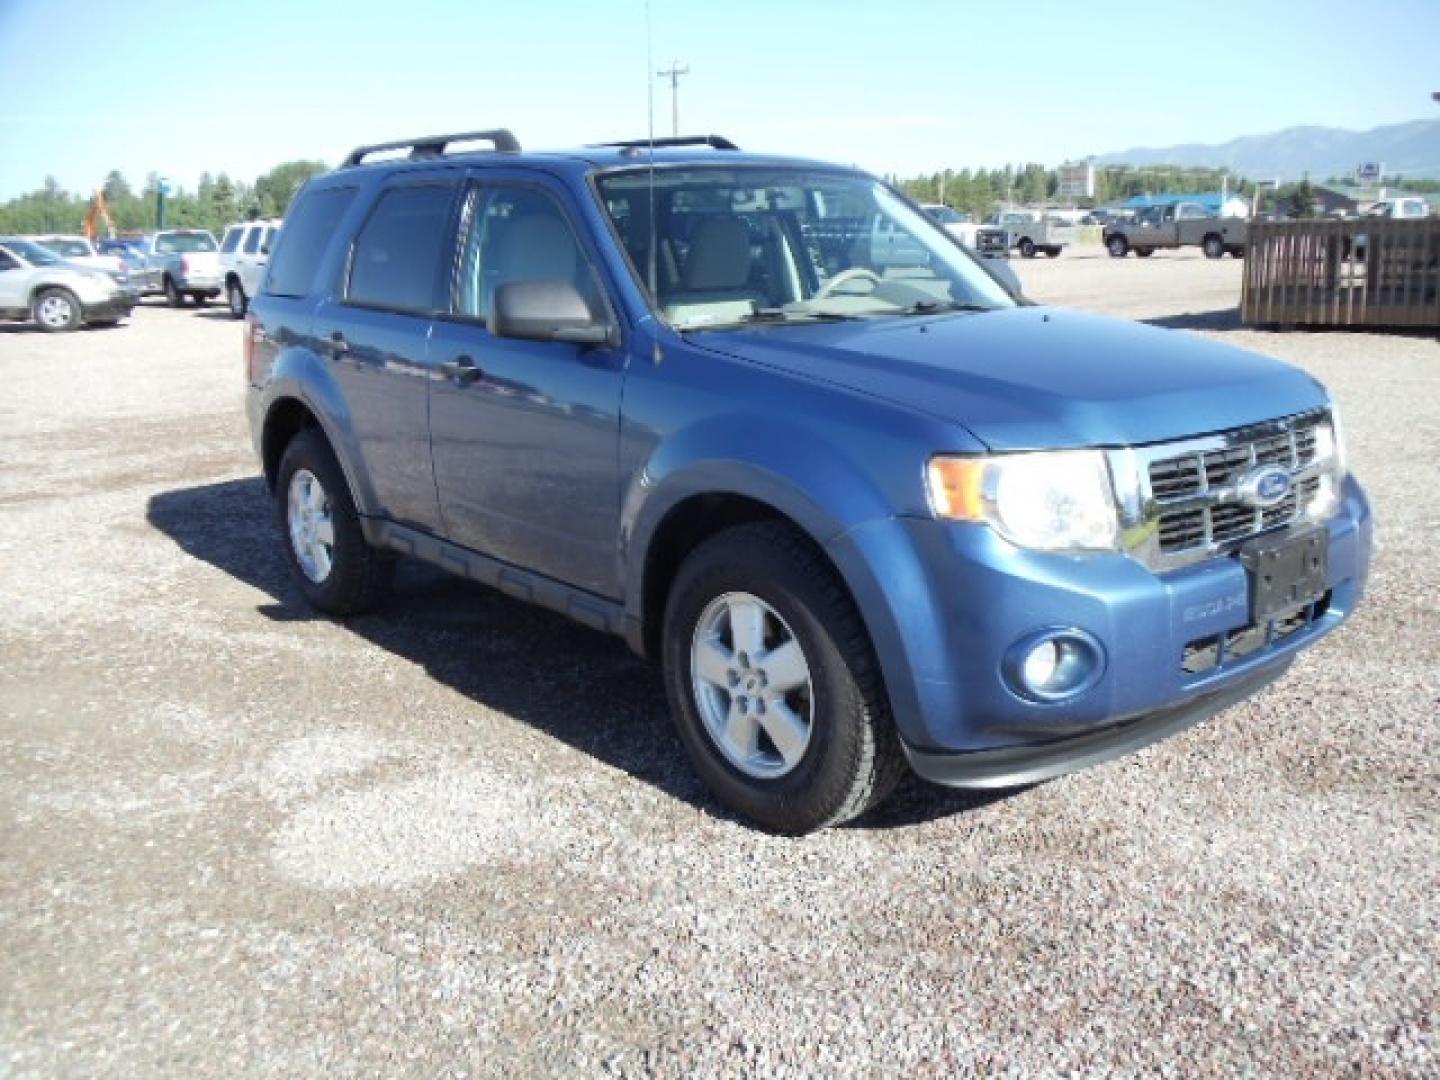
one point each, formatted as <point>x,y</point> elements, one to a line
<point>1409,149</point>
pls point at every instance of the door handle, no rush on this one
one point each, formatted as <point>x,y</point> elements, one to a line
<point>462,369</point>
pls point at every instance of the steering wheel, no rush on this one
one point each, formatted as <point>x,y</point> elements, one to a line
<point>855,273</point>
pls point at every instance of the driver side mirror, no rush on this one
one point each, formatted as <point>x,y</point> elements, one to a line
<point>549,310</point>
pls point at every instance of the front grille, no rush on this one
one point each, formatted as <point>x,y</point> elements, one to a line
<point>1211,475</point>
<point>1209,653</point>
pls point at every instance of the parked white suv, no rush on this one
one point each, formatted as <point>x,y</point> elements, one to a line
<point>243,255</point>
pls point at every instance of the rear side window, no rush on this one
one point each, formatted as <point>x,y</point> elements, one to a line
<point>397,257</point>
<point>252,241</point>
<point>308,231</point>
<point>231,241</point>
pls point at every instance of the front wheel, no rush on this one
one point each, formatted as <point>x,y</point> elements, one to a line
<point>338,572</point>
<point>773,684</point>
<point>1117,246</point>
<point>1213,247</point>
<point>1052,252</point>
<point>56,311</point>
<point>1144,253</point>
<point>235,297</point>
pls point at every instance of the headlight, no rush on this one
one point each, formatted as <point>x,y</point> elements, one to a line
<point>1058,501</point>
<point>1330,458</point>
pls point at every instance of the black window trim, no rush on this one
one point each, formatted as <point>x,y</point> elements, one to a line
<point>474,182</point>
<point>451,180</point>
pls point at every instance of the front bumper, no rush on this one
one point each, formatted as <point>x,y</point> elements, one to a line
<point>116,307</point>
<point>1031,764</point>
<point>946,604</point>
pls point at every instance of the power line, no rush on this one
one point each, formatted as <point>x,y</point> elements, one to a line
<point>673,73</point>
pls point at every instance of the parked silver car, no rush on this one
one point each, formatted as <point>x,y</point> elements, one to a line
<point>37,284</point>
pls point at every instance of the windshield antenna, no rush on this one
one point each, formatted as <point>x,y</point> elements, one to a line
<point>652,256</point>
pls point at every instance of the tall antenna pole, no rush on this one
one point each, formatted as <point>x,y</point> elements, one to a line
<point>673,73</point>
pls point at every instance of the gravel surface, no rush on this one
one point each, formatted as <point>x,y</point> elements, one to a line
<point>460,837</point>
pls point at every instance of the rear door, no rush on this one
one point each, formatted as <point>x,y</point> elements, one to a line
<point>376,334</point>
<point>525,434</point>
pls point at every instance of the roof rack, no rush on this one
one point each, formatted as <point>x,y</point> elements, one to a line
<point>434,146</point>
<point>715,142</point>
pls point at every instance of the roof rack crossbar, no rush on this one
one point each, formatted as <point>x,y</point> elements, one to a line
<point>433,146</point>
<point>715,142</point>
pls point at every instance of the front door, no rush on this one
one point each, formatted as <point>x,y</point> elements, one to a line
<point>525,434</point>
<point>376,335</point>
<point>13,277</point>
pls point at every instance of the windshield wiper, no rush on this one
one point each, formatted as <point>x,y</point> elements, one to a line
<point>781,315</point>
<point>927,307</point>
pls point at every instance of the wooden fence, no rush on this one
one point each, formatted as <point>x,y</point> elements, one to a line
<point>1371,272</point>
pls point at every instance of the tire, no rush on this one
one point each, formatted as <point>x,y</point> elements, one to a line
<point>1237,252</point>
<point>355,575</point>
<point>56,310</point>
<point>1027,248</point>
<point>199,299</point>
<point>103,324</point>
<point>235,297</point>
<point>1213,246</point>
<point>1144,253</point>
<point>173,296</point>
<point>849,758</point>
<point>1052,252</point>
<point>1118,247</point>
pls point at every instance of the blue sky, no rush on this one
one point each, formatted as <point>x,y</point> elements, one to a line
<point>894,87</point>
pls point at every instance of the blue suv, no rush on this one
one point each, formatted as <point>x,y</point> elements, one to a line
<point>763,418</point>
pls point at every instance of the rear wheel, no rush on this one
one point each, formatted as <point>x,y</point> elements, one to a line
<point>773,684</point>
<point>1027,248</point>
<point>235,297</point>
<point>55,310</point>
<point>1213,246</point>
<point>338,572</point>
<point>1144,253</point>
<point>1118,246</point>
<point>1052,252</point>
<point>173,296</point>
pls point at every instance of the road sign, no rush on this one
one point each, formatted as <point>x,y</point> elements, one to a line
<point>1370,172</point>
<point>1076,181</point>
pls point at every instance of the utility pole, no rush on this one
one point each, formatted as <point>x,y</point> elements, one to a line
<point>673,73</point>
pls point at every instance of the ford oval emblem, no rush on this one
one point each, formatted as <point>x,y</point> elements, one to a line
<point>1266,486</point>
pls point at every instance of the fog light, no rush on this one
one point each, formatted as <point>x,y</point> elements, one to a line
<point>1040,664</point>
<point>1054,665</point>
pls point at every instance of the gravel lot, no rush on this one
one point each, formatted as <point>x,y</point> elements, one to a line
<point>460,837</point>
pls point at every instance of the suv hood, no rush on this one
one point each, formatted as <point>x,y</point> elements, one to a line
<point>1033,378</point>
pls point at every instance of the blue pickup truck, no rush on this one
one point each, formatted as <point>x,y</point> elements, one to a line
<point>863,514</point>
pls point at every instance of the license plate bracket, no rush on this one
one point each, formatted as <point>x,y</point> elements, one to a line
<point>1286,572</point>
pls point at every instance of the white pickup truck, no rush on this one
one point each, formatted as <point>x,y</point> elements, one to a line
<point>1031,231</point>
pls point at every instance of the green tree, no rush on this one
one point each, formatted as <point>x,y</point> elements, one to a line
<point>275,190</point>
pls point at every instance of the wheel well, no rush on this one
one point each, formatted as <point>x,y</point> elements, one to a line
<point>684,528</point>
<point>286,419</point>
<point>35,293</point>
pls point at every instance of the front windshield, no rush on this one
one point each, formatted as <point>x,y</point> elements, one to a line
<point>184,243</point>
<point>758,243</point>
<point>67,249</point>
<point>33,253</point>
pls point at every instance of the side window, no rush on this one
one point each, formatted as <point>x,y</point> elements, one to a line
<point>519,234</point>
<point>7,262</point>
<point>269,244</point>
<point>308,232</point>
<point>252,240</point>
<point>231,241</point>
<point>397,256</point>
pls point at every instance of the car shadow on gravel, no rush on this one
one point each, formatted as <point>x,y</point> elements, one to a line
<point>575,684</point>
<point>1223,319</point>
